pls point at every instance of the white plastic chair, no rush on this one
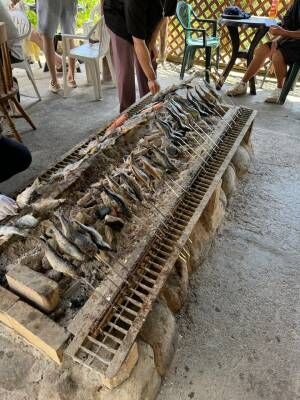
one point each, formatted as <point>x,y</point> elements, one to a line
<point>91,54</point>
<point>96,14</point>
<point>24,29</point>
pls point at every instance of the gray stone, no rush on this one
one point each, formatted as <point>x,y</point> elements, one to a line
<point>241,160</point>
<point>160,332</point>
<point>229,181</point>
<point>144,382</point>
<point>175,290</point>
<point>223,198</point>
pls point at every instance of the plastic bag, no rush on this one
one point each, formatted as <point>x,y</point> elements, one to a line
<point>8,207</point>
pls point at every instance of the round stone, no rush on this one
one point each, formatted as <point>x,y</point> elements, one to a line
<point>241,161</point>
<point>229,181</point>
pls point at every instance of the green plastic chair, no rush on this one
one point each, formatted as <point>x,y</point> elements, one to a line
<point>187,17</point>
<point>290,81</point>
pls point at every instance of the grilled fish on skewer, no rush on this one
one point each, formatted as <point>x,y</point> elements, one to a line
<point>112,184</point>
<point>23,199</point>
<point>66,246</point>
<point>195,103</point>
<point>128,192</point>
<point>27,221</point>
<point>212,91</point>
<point>186,105</point>
<point>119,200</point>
<point>57,262</point>
<point>133,184</point>
<point>154,171</point>
<point>96,237</point>
<point>163,93</point>
<point>82,241</point>
<point>163,160</point>
<point>9,230</point>
<point>139,173</point>
<point>46,205</point>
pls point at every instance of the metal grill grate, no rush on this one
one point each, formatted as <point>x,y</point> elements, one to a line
<point>106,347</point>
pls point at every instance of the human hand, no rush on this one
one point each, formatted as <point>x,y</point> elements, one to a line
<point>154,86</point>
<point>8,207</point>
<point>277,30</point>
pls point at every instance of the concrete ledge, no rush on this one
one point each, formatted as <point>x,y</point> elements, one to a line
<point>38,329</point>
<point>34,286</point>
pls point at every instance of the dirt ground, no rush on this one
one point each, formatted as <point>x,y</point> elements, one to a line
<point>239,334</point>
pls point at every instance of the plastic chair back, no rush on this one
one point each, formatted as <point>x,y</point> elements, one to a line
<point>184,15</point>
<point>104,41</point>
<point>21,22</point>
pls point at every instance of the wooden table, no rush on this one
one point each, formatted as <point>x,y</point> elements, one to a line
<point>261,25</point>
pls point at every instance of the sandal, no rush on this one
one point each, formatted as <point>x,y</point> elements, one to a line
<point>72,84</point>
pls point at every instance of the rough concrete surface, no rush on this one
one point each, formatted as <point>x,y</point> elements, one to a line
<point>239,334</point>
<point>240,330</point>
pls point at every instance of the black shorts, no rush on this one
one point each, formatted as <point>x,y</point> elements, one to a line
<point>14,158</point>
<point>290,49</point>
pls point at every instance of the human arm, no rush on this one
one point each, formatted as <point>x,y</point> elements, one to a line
<point>284,33</point>
<point>144,58</point>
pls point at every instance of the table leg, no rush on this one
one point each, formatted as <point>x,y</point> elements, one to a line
<point>260,33</point>
<point>235,41</point>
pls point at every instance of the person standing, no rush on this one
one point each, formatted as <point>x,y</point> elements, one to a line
<point>51,14</point>
<point>134,26</point>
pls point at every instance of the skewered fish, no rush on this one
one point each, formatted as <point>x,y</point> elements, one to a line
<point>80,240</point>
<point>66,246</point>
<point>57,262</point>
<point>139,173</point>
<point>24,198</point>
<point>87,200</point>
<point>96,237</point>
<point>150,168</point>
<point>69,169</point>
<point>27,221</point>
<point>119,200</point>
<point>9,230</point>
<point>133,185</point>
<point>45,205</point>
<point>128,192</point>
<point>163,160</point>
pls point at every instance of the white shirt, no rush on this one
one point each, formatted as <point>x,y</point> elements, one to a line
<point>13,42</point>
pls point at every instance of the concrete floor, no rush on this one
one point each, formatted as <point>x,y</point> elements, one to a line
<point>239,335</point>
<point>61,122</point>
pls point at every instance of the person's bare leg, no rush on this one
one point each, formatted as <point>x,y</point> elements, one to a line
<point>261,54</point>
<point>49,51</point>
<point>36,38</point>
<point>280,68</point>
<point>71,69</point>
<point>163,40</point>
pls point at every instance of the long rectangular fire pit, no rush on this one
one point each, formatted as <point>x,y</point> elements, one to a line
<point>93,313</point>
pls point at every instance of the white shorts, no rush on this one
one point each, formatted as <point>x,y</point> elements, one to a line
<point>52,13</point>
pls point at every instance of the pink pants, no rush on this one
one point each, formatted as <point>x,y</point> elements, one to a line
<point>125,62</point>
